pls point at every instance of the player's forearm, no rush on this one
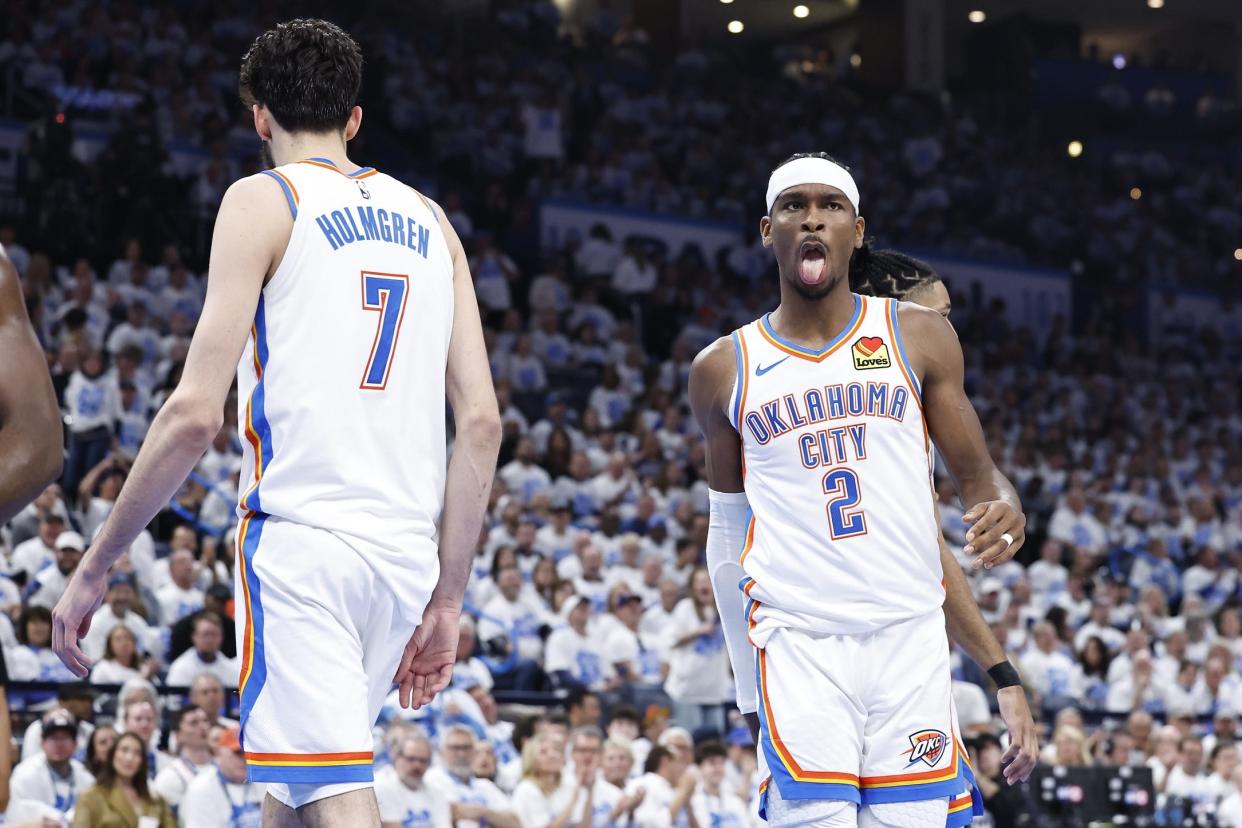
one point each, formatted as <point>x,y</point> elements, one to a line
<point>179,436</point>
<point>962,617</point>
<point>30,458</point>
<point>466,490</point>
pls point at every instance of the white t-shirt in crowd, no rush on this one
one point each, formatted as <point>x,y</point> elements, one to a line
<point>105,621</point>
<point>655,620</point>
<point>473,791</point>
<point>605,797</point>
<point>49,585</point>
<point>190,665</point>
<point>1048,673</point>
<point>410,807</point>
<point>699,671</point>
<point>173,781</point>
<point>1229,813</point>
<point>722,810</point>
<point>31,556</point>
<point>33,779</point>
<point>625,645</point>
<point>1181,783</point>
<point>110,671</point>
<point>176,603</point>
<point>653,812</point>
<point>536,809</point>
<point>581,655</point>
<point>211,801</point>
<point>1046,577</point>
<point>971,703</point>
<point>519,621</point>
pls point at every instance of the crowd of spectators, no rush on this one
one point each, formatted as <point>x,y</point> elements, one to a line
<point>594,114</point>
<point>1122,613</point>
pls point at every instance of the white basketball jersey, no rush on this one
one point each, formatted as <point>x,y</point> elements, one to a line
<point>843,535</point>
<point>341,386</point>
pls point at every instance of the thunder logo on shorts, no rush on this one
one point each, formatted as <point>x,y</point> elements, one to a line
<point>927,745</point>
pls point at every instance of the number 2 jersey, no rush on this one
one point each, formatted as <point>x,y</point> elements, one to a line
<point>341,385</point>
<point>843,537</point>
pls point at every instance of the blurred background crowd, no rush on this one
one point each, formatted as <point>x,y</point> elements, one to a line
<point>592,668</point>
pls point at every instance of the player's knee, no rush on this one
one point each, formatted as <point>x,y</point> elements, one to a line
<point>923,813</point>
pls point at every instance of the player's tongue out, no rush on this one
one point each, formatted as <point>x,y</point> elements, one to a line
<point>812,265</point>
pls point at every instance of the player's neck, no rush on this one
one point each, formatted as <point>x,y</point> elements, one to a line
<point>287,149</point>
<point>813,322</point>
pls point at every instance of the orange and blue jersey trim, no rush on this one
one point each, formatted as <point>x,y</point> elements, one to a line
<point>967,805</point>
<point>894,331</point>
<point>794,781</point>
<point>750,538</point>
<point>426,202</point>
<point>314,768</point>
<point>258,430</point>
<point>742,358</point>
<point>291,192</point>
<point>253,663</point>
<point>361,172</point>
<point>793,349</point>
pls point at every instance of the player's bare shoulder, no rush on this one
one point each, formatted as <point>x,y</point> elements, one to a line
<point>260,189</point>
<point>711,378</point>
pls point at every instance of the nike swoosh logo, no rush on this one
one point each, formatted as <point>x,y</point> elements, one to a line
<point>760,370</point>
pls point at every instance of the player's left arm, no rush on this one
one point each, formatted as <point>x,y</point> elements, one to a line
<point>991,502</point>
<point>951,419</point>
<point>251,233</point>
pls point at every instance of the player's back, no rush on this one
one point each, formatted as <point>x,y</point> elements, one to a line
<point>341,386</point>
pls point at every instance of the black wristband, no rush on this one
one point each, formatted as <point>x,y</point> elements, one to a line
<point>1005,675</point>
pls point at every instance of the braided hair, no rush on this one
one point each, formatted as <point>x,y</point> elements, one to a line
<point>888,273</point>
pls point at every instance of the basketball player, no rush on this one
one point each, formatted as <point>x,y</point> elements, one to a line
<point>31,434</point>
<point>343,298</point>
<point>818,419</point>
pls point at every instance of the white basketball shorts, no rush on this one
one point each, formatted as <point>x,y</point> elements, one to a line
<point>319,638</point>
<point>863,718</point>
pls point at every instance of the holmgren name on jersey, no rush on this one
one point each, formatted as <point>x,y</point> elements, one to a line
<point>373,224</point>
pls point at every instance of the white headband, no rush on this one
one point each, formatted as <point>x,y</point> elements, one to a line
<point>812,171</point>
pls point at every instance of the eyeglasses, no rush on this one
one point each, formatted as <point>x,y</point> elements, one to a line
<point>459,747</point>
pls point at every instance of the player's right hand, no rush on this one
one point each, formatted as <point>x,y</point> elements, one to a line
<point>71,619</point>
<point>1023,753</point>
<point>426,666</point>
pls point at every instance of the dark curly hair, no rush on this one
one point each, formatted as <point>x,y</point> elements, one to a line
<point>888,273</point>
<point>306,72</point>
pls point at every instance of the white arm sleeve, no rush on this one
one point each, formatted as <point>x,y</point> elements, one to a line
<point>726,534</point>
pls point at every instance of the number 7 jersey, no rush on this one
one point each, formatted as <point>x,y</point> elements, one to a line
<point>843,538</point>
<point>341,385</point>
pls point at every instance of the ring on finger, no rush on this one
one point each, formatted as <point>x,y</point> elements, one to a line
<point>1008,539</point>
